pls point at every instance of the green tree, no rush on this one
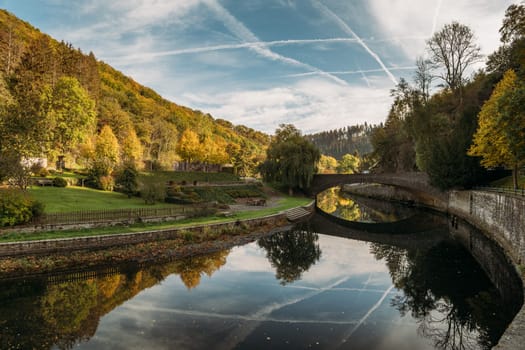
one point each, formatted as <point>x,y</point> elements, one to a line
<point>290,159</point>
<point>127,178</point>
<point>393,143</point>
<point>512,53</point>
<point>349,164</point>
<point>70,114</point>
<point>291,253</point>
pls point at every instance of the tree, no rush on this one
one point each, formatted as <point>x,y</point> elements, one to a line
<point>393,143</point>
<point>511,54</point>
<point>291,253</point>
<point>423,77</point>
<point>131,148</point>
<point>490,141</point>
<point>513,27</point>
<point>127,178</point>
<point>106,152</point>
<point>189,147</point>
<point>290,159</point>
<point>327,165</point>
<point>453,50</point>
<point>70,113</point>
<point>349,164</point>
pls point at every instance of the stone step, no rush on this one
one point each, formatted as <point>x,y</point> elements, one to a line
<point>296,213</point>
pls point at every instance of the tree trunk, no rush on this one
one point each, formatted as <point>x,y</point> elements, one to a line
<point>515,176</point>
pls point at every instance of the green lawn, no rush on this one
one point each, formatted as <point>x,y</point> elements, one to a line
<point>284,203</point>
<point>66,199</point>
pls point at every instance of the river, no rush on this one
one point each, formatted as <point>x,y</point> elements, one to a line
<point>311,287</point>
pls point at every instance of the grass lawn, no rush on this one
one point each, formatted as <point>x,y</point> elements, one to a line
<point>284,203</point>
<point>506,182</point>
<point>67,199</point>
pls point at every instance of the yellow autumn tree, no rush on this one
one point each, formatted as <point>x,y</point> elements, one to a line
<point>189,148</point>
<point>491,141</point>
<point>327,165</point>
<point>131,149</point>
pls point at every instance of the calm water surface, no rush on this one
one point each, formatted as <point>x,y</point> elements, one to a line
<point>295,290</point>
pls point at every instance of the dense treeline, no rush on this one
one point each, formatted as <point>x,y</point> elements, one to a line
<point>57,102</point>
<point>336,143</point>
<point>471,123</point>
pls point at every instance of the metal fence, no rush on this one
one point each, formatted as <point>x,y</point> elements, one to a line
<point>507,190</point>
<point>87,216</point>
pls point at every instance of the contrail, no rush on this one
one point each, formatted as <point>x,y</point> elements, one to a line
<point>436,15</point>
<point>249,45</point>
<point>368,313</point>
<point>363,75</point>
<point>239,29</point>
<point>350,72</point>
<point>349,30</point>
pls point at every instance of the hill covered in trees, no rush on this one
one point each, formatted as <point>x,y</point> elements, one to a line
<point>349,140</point>
<point>56,101</point>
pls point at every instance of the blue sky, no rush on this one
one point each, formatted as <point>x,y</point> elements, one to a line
<point>319,64</point>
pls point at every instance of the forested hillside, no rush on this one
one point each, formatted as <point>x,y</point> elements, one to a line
<point>338,142</point>
<point>57,101</point>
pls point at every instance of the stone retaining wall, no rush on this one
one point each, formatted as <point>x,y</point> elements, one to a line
<point>502,218</point>
<point>106,241</point>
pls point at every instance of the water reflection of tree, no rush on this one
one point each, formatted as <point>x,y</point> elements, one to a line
<point>291,253</point>
<point>192,268</point>
<point>60,315</point>
<point>332,200</point>
<point>446,291</point>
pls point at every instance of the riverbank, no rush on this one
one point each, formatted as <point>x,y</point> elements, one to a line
<point>38,258</point>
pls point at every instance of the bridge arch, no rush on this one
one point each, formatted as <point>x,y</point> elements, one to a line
<point>416,183</point>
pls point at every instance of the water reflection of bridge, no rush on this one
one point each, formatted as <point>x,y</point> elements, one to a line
<point>422,229</point>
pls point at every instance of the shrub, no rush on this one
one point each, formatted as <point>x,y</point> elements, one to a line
<point>59,182</point>
<point>127,179</point>
<point>38,170</point>
<point>18,207</point>
<point>152,191</point>
<point>106,183</point>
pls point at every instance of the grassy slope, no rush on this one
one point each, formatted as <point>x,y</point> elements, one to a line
<point>284,203</point>
<point>82,198</point>
<point>506,182</point>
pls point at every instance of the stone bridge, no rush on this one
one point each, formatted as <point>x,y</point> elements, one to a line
<point>415,183</point>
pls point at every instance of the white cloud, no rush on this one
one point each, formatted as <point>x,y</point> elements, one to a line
<point>311,104</point>
<point>405,18</point>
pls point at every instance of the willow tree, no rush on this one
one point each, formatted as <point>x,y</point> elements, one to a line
<point>290,159</point>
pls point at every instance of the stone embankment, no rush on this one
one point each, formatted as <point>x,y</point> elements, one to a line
<point>502,218</point>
